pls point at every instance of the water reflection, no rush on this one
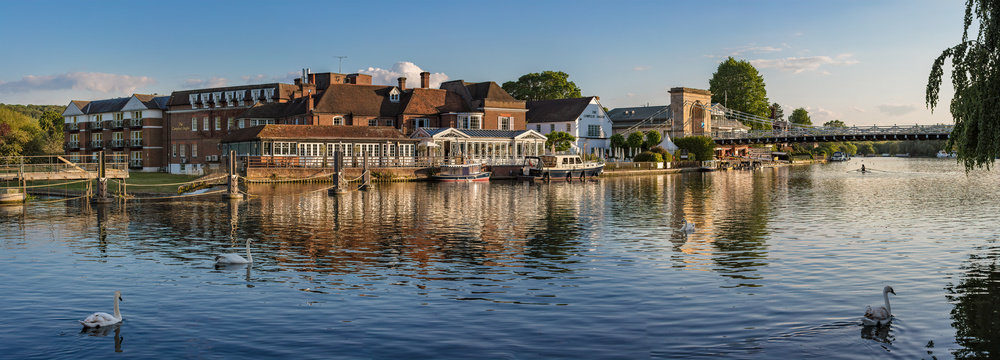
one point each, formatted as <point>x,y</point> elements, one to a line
<point>104,331</point>
<point>976,299</point>
<point>879,333</point>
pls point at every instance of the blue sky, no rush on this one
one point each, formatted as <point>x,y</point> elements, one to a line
<point>864,62</point>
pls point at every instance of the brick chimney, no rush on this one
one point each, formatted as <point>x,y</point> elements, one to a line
<point>425,80</point>
<point>309,102</point>
<point>402,83</point>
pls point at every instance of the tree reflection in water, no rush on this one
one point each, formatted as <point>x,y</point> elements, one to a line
<point>976,315</point>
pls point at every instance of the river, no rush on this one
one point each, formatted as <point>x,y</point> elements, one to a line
<point>781,264</point>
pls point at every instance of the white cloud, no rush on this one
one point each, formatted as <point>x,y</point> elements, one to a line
<point>81,81</point>
<point>405,69</point>
<point>640,68</point>
<point>202,83</point>
<point>855,108</point>
<point>630,94</point>
<point>753,49</point>
<point>897,109</point>
<point>806,63</point>
<point>820,115</point>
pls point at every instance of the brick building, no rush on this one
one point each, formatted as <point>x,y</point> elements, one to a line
<point>130,126</point>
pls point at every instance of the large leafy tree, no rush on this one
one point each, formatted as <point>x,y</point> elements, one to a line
<point>653,138</point>
<point>618,141</point>
<point>975,76</point>
<point>19,134</point>
<point>547,85</point>
<point>800,116</point>
<point>560,139</point>
<point>702,146</point>
<point>834,123</point>
<point>738,86</point>
<point>636,140</point>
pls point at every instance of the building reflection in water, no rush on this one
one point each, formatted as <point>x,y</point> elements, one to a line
<point>976,299</point>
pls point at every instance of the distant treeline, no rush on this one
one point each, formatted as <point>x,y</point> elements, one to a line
<point>31,129</point>
<point>918,148</point>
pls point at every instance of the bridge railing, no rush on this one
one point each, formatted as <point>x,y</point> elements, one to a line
<point>15,165</point>
<point>835,131</point>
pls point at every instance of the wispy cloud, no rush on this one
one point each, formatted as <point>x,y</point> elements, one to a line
<point>896,109</point>
<point>803,64</point>
<point>855,108</point>
<point>754,49</point>
<point>84,81</point>
<point>203,83</point>
<point>820,115</point>
<point>641,68</point>
<point>630,94</point>
<point>405,69</point>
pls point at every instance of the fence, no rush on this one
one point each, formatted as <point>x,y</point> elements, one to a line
<point>17,166</point>
<point>632,165</point>
<point>373,161</point>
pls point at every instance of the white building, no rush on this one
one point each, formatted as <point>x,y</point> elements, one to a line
<point>583,118</point>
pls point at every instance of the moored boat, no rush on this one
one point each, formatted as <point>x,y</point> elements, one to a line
<point>464,172</point>
<point>559,167</point>
<point>839,156</point>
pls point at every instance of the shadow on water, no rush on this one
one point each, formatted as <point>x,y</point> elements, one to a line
<point>104,331</point>
<point>976,299</point>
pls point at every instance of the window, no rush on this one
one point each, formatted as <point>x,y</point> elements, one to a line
<point>421,122</point>
<point>204,123</point>
<point>193,99</point>
<point>552,128</point>
<point>568,127</point>
<point>284,148</point>
<point>470,122</point>
<point>394,95</point>
<point>137,114</point>
<point>194,150</point>
<point>183,146</point>
<point>98,117</point>
<point>74,137</point>
<point>338,120</point>
<point>96,137</point>
<point>231,124</point>
<point>372,122</point>
<point>538,127</point>
<point>119,116</point>
<point>117,136</point>
<point>136,155</point>
<point>241,123</point>
<point>173,149</point>
<point>505,122</point>
<point>593,131</point>
<point>218,123</point>
<point>389,122</point>
<point>194,124</point>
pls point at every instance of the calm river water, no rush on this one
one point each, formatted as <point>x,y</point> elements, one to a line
<point>782,264</point>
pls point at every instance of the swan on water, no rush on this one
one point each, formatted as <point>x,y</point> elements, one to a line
<point>234,258</point>
<point>879,315</point>
<point>687,227</point>
<point>99,319</point>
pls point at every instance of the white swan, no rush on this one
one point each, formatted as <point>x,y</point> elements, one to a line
<point>879,315</point>
<point>99,319</point>
<point>234,258</point>
<point>688,227</point>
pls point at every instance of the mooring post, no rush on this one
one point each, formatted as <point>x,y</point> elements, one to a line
<point>366,174</point>
<point>234,178</point>
<point>338,175</point>
<point>102,179</point>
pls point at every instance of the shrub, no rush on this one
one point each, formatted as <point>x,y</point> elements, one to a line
<point>663,152</point>
<point>648,156</point>
<point>701,146</point>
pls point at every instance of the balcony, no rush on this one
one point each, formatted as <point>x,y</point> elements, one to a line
<point>135,163</point>
<point>71,127</point>
<point>96,144</point>
<point>133,123</point>
<point>93,125</point>
<point>113,124</point>
<point>72,145</point>
<point>135,143</point>
<point>118,143</point>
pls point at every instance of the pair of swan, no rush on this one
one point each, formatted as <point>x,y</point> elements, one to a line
<point>687,227</point>
<point>881,315</point>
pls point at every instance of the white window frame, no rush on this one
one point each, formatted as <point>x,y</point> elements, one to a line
<point>504,122</point>
<point>373,122</point>
<point>193,98</point>
<point>194,150</point>
<point>338,120</point>
<point>218,123</point>
<point>593,130</point>
<point>204,123</point>
<point>194,124</point>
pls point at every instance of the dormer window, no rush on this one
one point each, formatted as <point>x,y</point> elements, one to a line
<point>193,98</point>
<point>239,96</point>
<point>205,99</point>
<point>268,94</point>
<point>217,98</point>
<point>229,98</point>
<point>254,95</point>
<point>394,95</point>
<point>338,120</point>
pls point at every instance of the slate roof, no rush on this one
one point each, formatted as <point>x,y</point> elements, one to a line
<point>81,104</point>
<point>284,91</point>
<point>106,105</point>
<point>153,101</point>
<point>325,132</point>
<point>275,110</point>
<point>560,110</point>
<point>486,133</point>
<point>632,115</point>
<point>483,94</point>
<point>489,91</point>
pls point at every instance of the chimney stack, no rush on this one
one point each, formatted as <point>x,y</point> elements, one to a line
<point>402,83</point>
<point>425,80</point>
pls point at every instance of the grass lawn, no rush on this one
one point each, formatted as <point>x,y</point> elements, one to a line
<point>137,178</point>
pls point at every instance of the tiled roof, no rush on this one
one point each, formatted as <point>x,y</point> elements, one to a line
<point>364,100</point>
<point>327,132</point>
<point>421,101</point>
<point>153,101</point>
<point>81,104</point>
<point>489,91</point>
<point>559,110</point>
<point>484,94</point>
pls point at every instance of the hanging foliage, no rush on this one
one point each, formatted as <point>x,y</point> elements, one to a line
<point>975,76</point>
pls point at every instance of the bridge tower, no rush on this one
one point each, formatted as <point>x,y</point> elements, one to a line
<point>690,115</point>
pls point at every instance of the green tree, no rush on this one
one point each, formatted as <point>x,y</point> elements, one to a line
<point>834,123</point>
<point>975,77</point>
<point>653,138</point>
<point>703,147</point>
<point>52,123</point>
<point>663,152</point>
<point>635,140</point>
<point>738,86</point>
<point>800,116</point>
<point>648,156</point>
<point>560,139</point>
<point>617,141</point>
<point>19,134</point>
<point>777,113</point>
<point>547,85</point>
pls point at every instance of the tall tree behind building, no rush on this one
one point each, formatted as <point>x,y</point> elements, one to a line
<point>547,85</point>
<point>975,76</point>
<point>800,116</point>
<point>737,85</point>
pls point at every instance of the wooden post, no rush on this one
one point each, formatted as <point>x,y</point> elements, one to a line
<point>365,175</point>
<point>102,180</point>
<point>338,174</point>
<point>234,178</point>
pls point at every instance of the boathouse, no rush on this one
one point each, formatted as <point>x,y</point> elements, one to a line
<point>314,145</point>
<point>495,147</point>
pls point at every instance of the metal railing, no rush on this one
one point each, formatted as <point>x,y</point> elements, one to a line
<point>373,161</point>
<point>117,143</point>
<point>16,166</point>
<point>71,127</point>
<point>135,163</point>
<point>72,145</point>
<point>93,125</point>
<point>96,144</point>
<point>133,123</point>
<point>113,124</point>
<point>135,142</point>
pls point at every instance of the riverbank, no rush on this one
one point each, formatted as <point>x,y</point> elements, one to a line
<point>138,183</point>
